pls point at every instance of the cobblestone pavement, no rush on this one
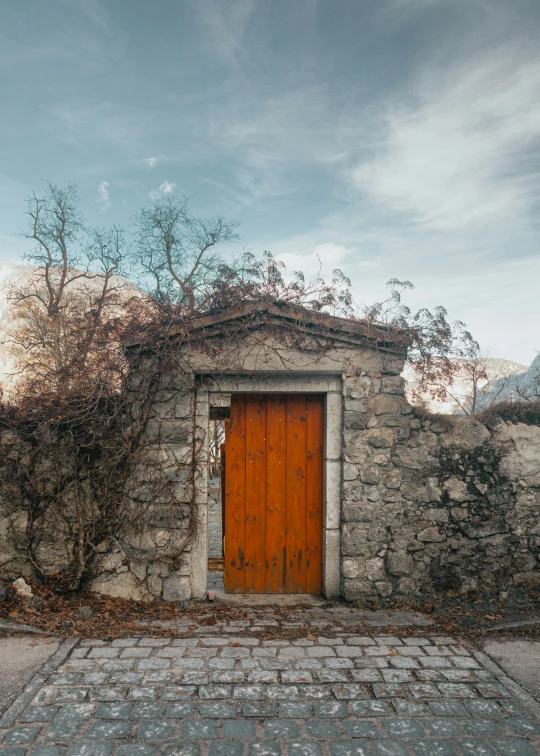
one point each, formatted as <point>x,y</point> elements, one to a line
<point>231,690</point>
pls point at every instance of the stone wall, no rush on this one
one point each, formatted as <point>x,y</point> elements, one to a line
<point>426,504</point>
<point>436,504</point>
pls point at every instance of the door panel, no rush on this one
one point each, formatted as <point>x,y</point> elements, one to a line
<point>273,493</point>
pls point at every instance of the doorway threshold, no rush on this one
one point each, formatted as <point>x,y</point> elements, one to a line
<point>270,599</point>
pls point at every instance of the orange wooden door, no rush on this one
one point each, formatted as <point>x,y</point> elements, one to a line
<point>273,494</point>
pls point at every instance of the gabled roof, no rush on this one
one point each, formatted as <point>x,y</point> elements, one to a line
<point>253,315</point>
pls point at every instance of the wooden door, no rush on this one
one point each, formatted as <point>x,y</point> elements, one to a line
<point>274,494</point>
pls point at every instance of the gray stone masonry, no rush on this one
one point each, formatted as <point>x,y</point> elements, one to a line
<point>410,505</point>
<point>239,692</point>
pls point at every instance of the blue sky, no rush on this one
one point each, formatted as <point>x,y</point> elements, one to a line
<point>393,138</point>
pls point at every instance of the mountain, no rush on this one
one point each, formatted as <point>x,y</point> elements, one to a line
<point>505,379</point>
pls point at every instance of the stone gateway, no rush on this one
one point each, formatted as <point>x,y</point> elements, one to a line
<point>407,503</point>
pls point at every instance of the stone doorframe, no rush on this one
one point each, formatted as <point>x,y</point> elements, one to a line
<point>332,388</point>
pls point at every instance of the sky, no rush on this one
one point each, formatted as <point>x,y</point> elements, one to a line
<point>389,138</point>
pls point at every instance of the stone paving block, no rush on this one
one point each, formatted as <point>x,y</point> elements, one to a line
<point>267,748</point>
<point>201,653</point>
<point>374,662</point>
<point>200,729</point>
<point>293,710</point>
<point>68,678</point>
<point>214,691</point>
<point>404,662</point>
<point>108,730</point>
<point>359,640</point>
<point>459,675</point>
<point>48,751</point>
<point>181,749</point>
<point>492,690</point>
<point>226,748</point>
<point>349,651</point>
<point>108,693</point>
<point>351,691</point>
<point>316,692</point>
<point>129,678</point>
<point>443,728</point>
<point>330,710</point>
<point>409,651</point>
<point>218,710</point>
<point>366,675</point>
<point>435,662</point>
<point>361,729</point>
<point>235,653</point>
<point>146,664</point>
<point>113,711</point>
<point>514,747</point>
<point>410,708</point>
<point>63,695</point>
<point>404,727</point>
<point>136,749</point>
<point>178,692</point>
<point>474,747</point>
<point>432,748</point>
<point>262,676</point>
<point>483,708</point>
<point>264,653</point>
<point>511,708</point>
<point>387,690</point>
<point>370,709</point>
<point>218,663</point>
<point>464,662</point>
<point>280,729</point>
<point>157,731</point>
<point>146,710</point>
<point>13,751</point>
<point>38,714</point>
<point>91,749</point>
<point>438,651</point>
<point>424,690</point>
<point>388,748</point>
<point>159,676</point>
<point>179,710</point>
<point>480,727</point>
<point>227,676</point>
<point>154,642</point>
<point>184,664</point>
<point>64,730</point>
<point>521,726</point>
<point>21,735</point>
<point>305,748</point>
<point>322,729</point>
<point>107,652</point>
<point>348,748</point>
<point>135,653</point>
<point>456,690</point>
<point>238,729</point>
<point>397,675</point>
<point>447,708</point>
<point>296,676</point>
<point>248,692</point>
<point>332,675</point>
<point>283,692</point>
<point>338,663</point>
<point>259,709</point>
<point>429,675</point>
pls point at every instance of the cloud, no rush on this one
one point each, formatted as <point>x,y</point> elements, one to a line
<point>323,258</point>
<point>103,198</point>
<point>456,159</point>
<point>165,188</point>
<point>151,162</point>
